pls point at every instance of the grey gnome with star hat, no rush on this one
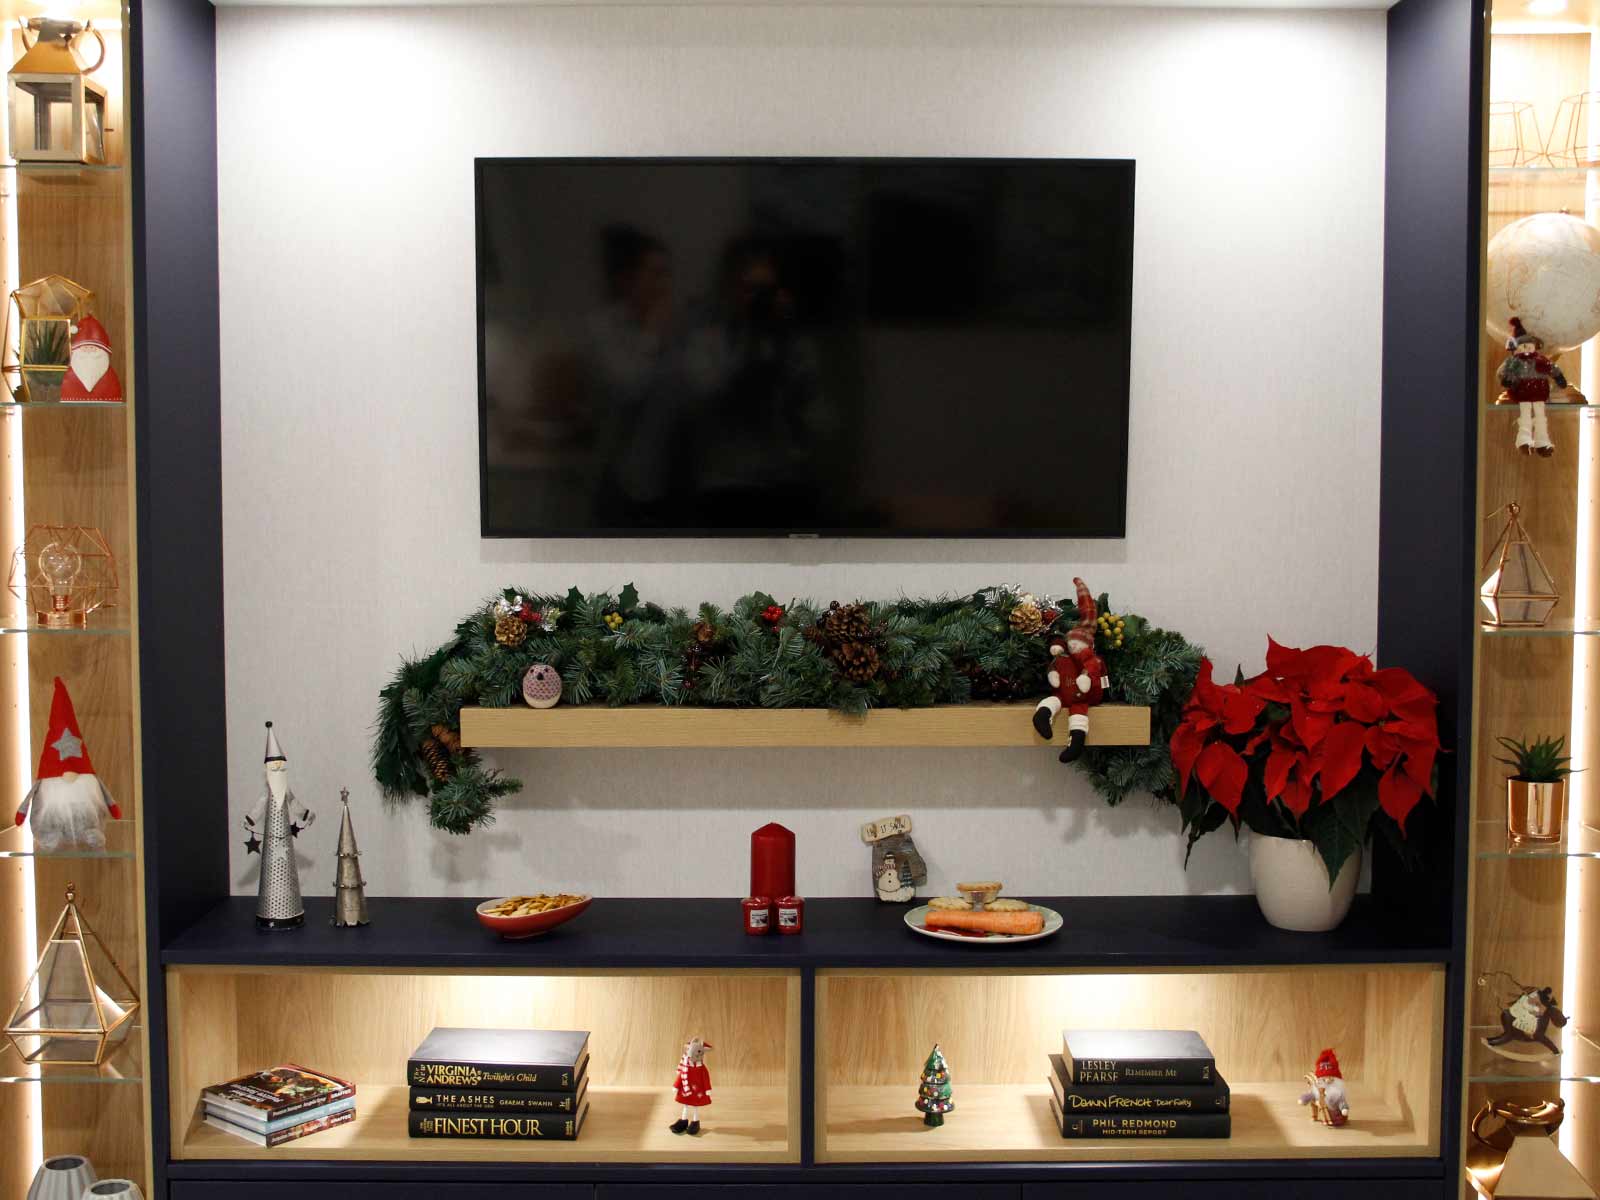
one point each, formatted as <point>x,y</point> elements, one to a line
<point>273,824</point>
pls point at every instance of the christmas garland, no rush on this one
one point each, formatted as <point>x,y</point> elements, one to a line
<point>617,649</point>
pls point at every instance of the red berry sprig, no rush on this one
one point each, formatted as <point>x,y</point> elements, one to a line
<point>772,614</point>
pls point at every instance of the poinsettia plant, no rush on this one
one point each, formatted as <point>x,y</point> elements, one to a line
<point>1320,746</point>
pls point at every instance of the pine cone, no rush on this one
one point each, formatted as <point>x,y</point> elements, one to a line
<point>846,623</point>
<point>858,661</point>
<point>1026,619</point>
<point>446,737</point>
<point>510,630</point>
<point>704,633</point>
<point>437,758</point>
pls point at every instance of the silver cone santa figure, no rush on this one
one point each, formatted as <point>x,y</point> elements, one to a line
<point>1527,376</point>
<point>273,824</point>
<point>67,803</point>
<point>692,1088</point>
<point>1326,1096</point>
<point>1077,679</point>
<point>349,889</point>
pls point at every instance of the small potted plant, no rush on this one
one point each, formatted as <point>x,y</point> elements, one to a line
<point>1536,792</point>
<point>1313,756</point>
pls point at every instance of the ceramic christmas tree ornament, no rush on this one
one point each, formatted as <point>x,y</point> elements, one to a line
<point>692,1088</point>
<point>934,1089</point>
<point>350,890</point>
<point>1077,678</point>
<point>273,824</point>
<point>67,804</point>
<point>1326,1095</point>
<point>89,376</point>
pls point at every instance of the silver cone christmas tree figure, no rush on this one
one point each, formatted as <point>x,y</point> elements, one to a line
<point>349,889</point>
<point>273,824</point>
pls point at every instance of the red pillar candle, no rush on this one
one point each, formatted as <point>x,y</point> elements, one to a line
<point>772,861</point>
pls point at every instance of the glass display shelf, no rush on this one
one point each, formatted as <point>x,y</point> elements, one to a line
<point>1550,406</point>
<point>105,623</point>
<point>125,1064</point>
<point>28,168</point>
<point>1563,627</point>
<point>21,406</point>
<point>1577,841</point>
<point>1531,174</point>
<point>1579,1061</point>
<point>122,842</point>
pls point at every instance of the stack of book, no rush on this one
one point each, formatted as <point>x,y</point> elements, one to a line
<point>279,1104</point>
<point>499,1083</point>
<point>1120,1083</point>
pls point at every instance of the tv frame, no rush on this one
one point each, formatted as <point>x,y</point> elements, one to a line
<point>485,530</point>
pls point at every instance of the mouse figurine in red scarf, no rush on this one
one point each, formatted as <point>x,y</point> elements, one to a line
<point>1077,679</point>
<point>692,1090</point>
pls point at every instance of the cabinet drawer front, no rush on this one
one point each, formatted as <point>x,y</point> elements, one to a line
<point>1253,1189</point>
<point>807,1191</point>
<point>188,1189</point>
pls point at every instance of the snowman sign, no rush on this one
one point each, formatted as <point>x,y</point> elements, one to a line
<point>89,376</point>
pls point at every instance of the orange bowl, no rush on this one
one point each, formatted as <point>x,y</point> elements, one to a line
<point>532,925</point>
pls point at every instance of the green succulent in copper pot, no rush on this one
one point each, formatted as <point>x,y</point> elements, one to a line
<point>1541,762</point>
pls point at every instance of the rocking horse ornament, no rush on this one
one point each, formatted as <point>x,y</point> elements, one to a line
<point>1526,1016</point>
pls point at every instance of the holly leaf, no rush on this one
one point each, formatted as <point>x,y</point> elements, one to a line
<point>628,600</point>
<point>574,601</point>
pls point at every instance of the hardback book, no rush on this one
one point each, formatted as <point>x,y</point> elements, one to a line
<point>511,1127</point>
<point>282,1123</point>
<point>261,1098</point>
<point>496,1101</point>
<point>1143,1056</point>
<point>519,1060</point>
<point>1149,1125</point>
<point>303,1129</point>
<point>1075,1098</point>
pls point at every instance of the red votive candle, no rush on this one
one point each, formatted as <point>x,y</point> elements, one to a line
<point>757,914</point>
<point>772,861</point>
<point>791,914</point>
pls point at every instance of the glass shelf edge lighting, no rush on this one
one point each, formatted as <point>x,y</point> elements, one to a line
<point>1563,627</point>
<point>56,405</point>
<point>57,167</point>
<point>123,1065</point>
<point>1579,1061</point>
<point>1577,841</point>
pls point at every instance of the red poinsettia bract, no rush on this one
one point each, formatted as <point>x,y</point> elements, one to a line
<point>1309,724</point>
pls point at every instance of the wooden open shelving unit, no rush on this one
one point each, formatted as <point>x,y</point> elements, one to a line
<point>648,726</point>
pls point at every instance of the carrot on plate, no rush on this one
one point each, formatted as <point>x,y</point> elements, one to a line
<point>987,922</point>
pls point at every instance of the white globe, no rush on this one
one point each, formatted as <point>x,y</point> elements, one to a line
<point>1546,270</point>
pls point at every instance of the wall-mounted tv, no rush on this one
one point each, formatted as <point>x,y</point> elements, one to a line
<point>763,346</point>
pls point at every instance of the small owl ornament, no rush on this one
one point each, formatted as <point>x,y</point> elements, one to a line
<point>541,686</point>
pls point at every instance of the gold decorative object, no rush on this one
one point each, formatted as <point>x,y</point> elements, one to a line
<point>46,311</point>
<point>1575,133</point>
<point>1534,810</point>
<point>64,572</point>
<point>1514,139</point>
<point>58,114</point>
<point>1518,591</point>
<point>78,1004</point>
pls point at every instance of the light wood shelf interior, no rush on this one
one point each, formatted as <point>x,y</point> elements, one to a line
<point>645,726</point>
<point>362,1026</point>
<point>1265,1027</point>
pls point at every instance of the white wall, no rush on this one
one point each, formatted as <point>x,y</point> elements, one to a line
<point>349,429</point>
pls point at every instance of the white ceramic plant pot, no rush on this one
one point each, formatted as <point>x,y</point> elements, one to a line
<point>113,1189</point>
<point>63,1177</point>
<point>1291,882</point>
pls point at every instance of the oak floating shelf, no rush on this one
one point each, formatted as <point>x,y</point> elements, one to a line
<point>650,726</point>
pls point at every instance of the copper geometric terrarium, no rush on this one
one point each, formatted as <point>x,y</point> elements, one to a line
<point>1518,591</point>
<point>64,573</point>
<point>78,1004</point>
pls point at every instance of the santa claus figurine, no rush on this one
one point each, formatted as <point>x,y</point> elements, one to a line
<point>1526,376</point>
<point>693,1087</point>
<point>1077,679</point>
<point>89,375</point>
<point>1327,1098</point>
<point>67,803</point>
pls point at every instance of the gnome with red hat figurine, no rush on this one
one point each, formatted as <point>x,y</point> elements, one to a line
<point>89,375</point>
<point>67,803</point>
<point>1077,679</point>
<point>1327,1098</point>
<point>1527,375</point>
<point>692,1089</point>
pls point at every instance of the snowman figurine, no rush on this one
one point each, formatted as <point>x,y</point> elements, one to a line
<point>891,888</point>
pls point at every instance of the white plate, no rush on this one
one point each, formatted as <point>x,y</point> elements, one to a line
<point>1052,924</point>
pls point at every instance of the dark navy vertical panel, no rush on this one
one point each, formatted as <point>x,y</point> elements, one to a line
<point>173,146</point>
<point>1433,202</point>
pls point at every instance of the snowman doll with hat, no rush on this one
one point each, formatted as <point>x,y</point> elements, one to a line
<point>89,375</point>
<point>67,803</point>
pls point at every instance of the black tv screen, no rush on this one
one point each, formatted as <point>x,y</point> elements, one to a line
<point>804,346</point>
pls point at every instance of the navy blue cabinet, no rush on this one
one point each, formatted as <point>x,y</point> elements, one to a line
<point>193,1189</point>
<point>1257,1189</point>
<point>806,1191</point>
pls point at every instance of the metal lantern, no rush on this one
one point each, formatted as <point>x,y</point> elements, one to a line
<point>64,573</point>
<point>1518,591</point>
<point>78,1004</point>
<point>46,311</point>
<point>58,114</point>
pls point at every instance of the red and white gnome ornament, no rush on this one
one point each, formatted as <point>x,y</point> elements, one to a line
<point>692,1089</point>
<point>67,803</point>
<point>1327,1098</point>
<point>89,375</point>
<point>1077,679</point>
<point>1527,376</point>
